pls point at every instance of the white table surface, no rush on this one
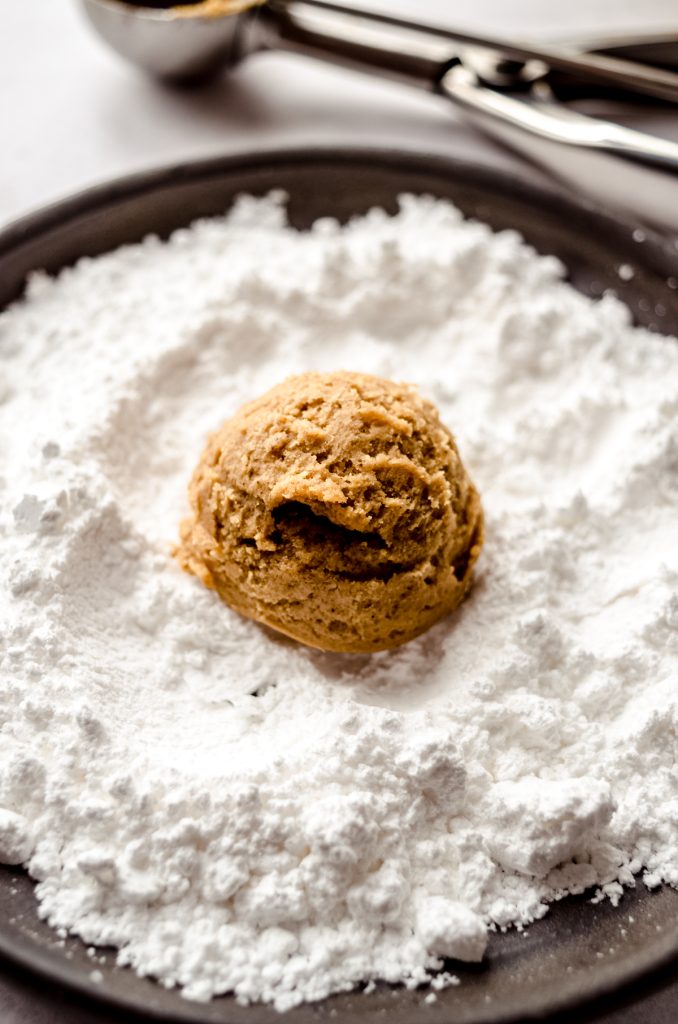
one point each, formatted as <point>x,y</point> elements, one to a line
<point>72,114</point>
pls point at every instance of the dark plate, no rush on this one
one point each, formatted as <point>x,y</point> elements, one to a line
<point>580,952</point>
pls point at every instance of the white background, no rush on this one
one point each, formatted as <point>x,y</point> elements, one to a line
<point>72,114</point>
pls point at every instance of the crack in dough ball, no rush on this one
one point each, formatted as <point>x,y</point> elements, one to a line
<point>335,509</point>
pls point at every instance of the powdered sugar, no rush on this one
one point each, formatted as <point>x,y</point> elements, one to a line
<point>233,811</point>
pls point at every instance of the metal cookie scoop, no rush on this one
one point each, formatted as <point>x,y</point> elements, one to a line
<point>502,86</point>
<point>168,42</point>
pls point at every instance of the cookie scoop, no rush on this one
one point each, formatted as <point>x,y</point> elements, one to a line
<point>335,509</point>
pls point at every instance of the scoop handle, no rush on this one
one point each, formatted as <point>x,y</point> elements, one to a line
<point>416,52</point>
<point>359,40</point>
<point>613,164</point>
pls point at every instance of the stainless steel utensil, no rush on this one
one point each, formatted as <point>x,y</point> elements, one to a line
<point>620,165</point>
<point>613,164</point>
<point>188,40</point>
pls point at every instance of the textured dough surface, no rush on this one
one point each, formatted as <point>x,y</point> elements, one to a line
<point>335,509</point>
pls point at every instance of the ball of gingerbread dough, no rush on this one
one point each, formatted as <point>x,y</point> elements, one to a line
<point>335,509</point>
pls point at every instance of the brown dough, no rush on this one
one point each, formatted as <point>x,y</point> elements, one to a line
<point>336,509</point>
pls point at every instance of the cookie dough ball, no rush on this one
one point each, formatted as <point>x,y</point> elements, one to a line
<point>335,509</point>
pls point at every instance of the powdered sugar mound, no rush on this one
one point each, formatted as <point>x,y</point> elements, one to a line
<point>235,812</point>
<point>549,820</point>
